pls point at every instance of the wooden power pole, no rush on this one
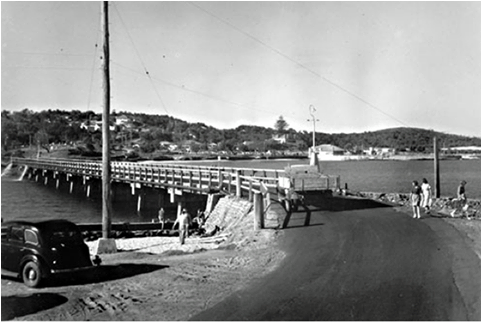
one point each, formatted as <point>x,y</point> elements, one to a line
<point>436,168</point>
<point>106,245</point>
<point>106,207</point>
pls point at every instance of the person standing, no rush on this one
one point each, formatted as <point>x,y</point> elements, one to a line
<point>461,198</point>
<point>426,195</point>
<point>415,197</point>
<point>184,220</point>
<point>162,218</point>
<point>461,191</point>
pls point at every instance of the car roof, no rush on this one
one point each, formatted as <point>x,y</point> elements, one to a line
<point>45,224</point>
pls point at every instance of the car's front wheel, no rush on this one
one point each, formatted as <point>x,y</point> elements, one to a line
<point>31,274</point>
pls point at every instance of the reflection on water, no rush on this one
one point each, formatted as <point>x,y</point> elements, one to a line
<point>27,200</point>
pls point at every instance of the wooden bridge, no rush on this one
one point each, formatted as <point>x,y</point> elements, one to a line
<point>257,185</point>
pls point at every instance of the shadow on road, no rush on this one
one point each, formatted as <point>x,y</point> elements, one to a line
<point>97,274</point>
<point>340,203</point>
<point>104,273</point>
<point>17,306</point>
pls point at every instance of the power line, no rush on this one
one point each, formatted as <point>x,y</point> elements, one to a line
<point>140,59</point>
<point>296,62</point>
<point>46,67</point>
<point>93,66</point>
<point>43,54</point>
<point>182,87</point>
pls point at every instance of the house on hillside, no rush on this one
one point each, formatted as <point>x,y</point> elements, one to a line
<point>168,146</point>
<point>94,126</point>
<point>122,120</point>
<point>91,126</point>
<point>280,138</point>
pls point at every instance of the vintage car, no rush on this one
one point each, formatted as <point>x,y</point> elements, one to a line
<point>34,251</point>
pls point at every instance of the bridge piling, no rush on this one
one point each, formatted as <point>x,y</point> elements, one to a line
<point>238,183</point>
<point>258,211</point>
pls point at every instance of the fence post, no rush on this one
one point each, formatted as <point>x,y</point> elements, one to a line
<point>258,211</point>
<point>229,182</point>
<point>220,179</point>
<point>250,191</point>
<point>238,183</point>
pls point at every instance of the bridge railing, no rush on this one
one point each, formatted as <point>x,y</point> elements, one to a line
<point>181,176</point>
<point>241,180</point>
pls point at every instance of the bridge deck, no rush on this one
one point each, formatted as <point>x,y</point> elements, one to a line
<point>201,179</point>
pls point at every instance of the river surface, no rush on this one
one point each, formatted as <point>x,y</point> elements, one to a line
<point>29,200</point>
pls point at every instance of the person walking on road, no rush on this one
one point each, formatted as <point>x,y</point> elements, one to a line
<point>162,218</point>
<point>426,195</point>
<point>415,198</point>
<point>184,220</point>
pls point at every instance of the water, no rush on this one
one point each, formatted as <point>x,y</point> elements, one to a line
<point>384,176</point>
<point>27,200</point>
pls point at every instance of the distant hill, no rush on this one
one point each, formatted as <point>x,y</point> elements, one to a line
<point>403,138</point>
<point>149,131</point>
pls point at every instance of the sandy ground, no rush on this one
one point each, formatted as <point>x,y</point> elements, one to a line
<point>155,278</point>
<point>150,278</point>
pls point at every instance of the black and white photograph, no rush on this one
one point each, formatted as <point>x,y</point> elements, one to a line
<point>241,160</point>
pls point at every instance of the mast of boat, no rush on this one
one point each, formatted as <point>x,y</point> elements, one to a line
<point>106,245</point>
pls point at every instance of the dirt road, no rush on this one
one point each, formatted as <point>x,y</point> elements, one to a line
<point>356,261</point>
<point>370,264</point>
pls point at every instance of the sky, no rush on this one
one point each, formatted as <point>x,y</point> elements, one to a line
<point>351,66</point>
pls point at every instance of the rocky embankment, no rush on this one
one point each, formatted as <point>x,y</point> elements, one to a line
<point>440,206</point>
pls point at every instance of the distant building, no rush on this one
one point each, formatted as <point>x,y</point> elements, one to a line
<point>91,126</point>
<point>329,149</point>
<point>168,145</point>
<point>279,138</point>
<point>379,151</point>
<point>122,120</point>
<point>94,126</point>
<point>462,150</point>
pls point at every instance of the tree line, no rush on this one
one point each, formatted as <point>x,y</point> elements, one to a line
<point>28,128</point>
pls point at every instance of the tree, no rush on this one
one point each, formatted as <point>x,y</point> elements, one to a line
<point>42,140</point>
<point>281,125</point>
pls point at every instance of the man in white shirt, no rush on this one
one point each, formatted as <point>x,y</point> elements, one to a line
<point>184,221</point>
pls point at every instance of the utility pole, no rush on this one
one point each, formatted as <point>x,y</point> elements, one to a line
<point>312,111</point>
<point>106,245</point>
<point>436,168</point>
<point>314,157</point>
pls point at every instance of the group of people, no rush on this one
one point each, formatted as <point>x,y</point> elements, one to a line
<point>421,197</point>
<point>184,220</point>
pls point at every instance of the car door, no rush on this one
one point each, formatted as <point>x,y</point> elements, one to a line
<point>13,248</point>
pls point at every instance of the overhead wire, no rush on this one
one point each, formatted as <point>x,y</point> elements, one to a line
<point>93,65</point>
<point>278,52</point>
<point>42,54</point>
<point>187,89</point>
<point>140,58</point>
